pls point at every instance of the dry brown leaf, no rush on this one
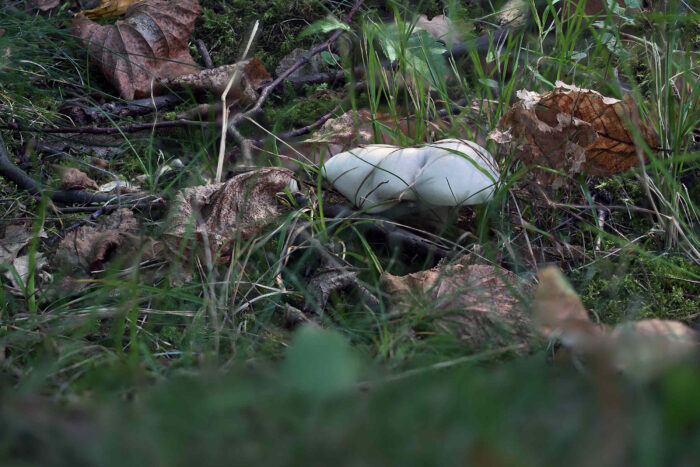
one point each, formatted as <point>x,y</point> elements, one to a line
<point>573,130</point>
<point>648,346</point>
<point>640,349</point>
<point>559,313</point>
<point>74,179</point>
<point>478,303</point>
<point>109,8</point>
<point>223,212</point>
<point>440,28</point>
<point>21,266</point>
<point>150,43</point>
<point>15,238</point>
<point>350,129</point>
<point>45,5</point>
<point>119,187</point>
<point>86,249</point>
<point>251,75</point>
<point>514,14</point>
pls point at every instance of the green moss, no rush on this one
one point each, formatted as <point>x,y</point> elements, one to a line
<point>300,111</point>
<point>636,287</point>
<point>225,28</point>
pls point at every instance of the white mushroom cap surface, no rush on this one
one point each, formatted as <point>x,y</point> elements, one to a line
<point>448,172</point>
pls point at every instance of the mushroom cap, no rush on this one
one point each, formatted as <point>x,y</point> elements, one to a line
<point>449,172</point>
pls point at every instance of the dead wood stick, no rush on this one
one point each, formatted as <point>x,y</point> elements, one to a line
<point>94,130</point>
<point>23,181</point>
<point>202,49</point>
<point>80,223</point>
<point>122,108</point>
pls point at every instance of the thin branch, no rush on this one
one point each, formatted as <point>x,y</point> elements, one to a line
<point>23,181</point>
<point>202,49</point>
<point>94,130</point>
<point>122,108</point>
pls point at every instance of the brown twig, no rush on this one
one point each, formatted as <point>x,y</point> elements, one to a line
<point>202,49</point>
<point>23,181</point>
<point>121,108</point>
<point>80,223</point>
<point>94,130</point>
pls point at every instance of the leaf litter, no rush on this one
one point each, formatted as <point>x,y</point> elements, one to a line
<point>572,130</point>
<point>148,45</point>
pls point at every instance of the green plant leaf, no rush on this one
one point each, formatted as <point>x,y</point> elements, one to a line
<point>324,25</point>
<point>321,363</point>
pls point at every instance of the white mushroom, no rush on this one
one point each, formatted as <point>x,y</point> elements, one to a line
<point>449,172</point>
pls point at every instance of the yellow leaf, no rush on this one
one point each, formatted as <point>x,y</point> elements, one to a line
<point>109,8</point>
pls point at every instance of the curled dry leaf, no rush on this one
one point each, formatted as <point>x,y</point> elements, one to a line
<point>343,132</point>
<point>14,239</point>
<point>573,130</point>
<point>21,266</point>
<point>218,214</point>
<point>87,248</point>
<point>514,14</point>
<point>45,5</point>
<point>119,187</point>
<point>640,349</point>
<point>250,76</point>
<point>74,179</point>
<point>480,304</point>
<point>355,128</point>
<point>559,313</point>
<point>150,43</point>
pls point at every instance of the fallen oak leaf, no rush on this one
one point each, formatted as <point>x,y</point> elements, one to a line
<point>22,271</point>
<point>480,304</point>
<point>86,249</point>
<point>14,239</point>
<point>251,76</point>
<point>220,213</point>
<point>640,349</point>
<point>149,44</point>
<point>74,179</point>
<point>573,130</point>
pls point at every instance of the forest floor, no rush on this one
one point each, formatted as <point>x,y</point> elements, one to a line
<point>183,280</point>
